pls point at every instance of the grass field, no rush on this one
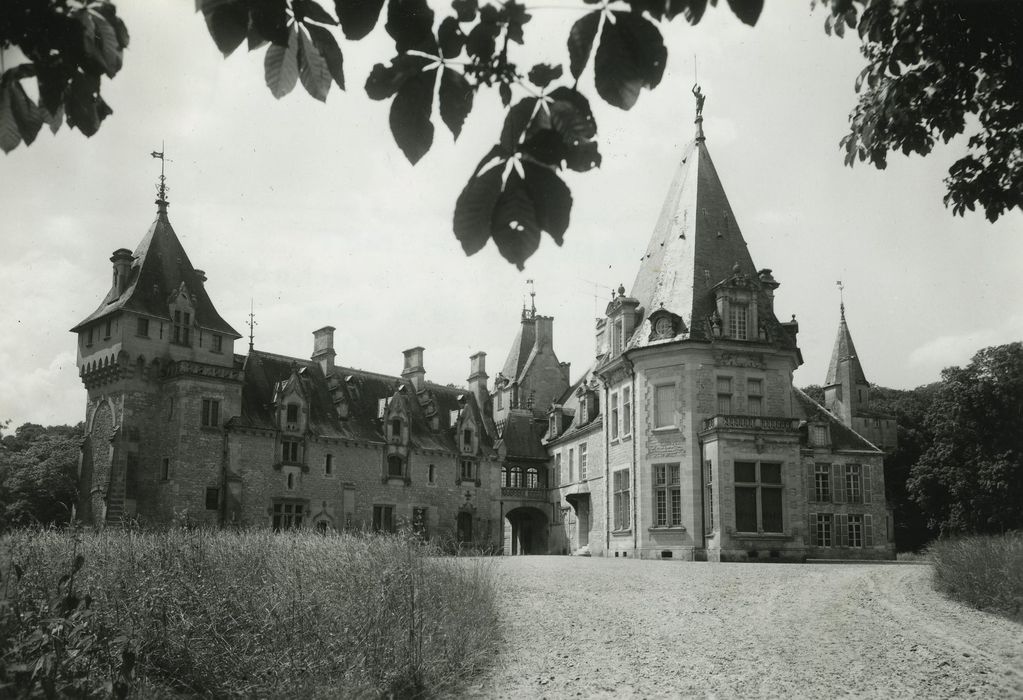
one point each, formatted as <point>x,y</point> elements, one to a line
<point>124,612</point>
<point>985,571</point>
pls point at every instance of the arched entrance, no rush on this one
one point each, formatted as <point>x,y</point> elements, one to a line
<point>525,531</point>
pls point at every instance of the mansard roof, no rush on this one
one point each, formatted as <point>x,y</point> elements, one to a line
<point>158,269</point>
<point>844,357</point>
<point>521,437</point>
<point>842,436</point>
<point>361,391</point>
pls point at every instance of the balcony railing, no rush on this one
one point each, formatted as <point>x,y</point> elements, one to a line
<point>524,493</point>
<point>766,423</point>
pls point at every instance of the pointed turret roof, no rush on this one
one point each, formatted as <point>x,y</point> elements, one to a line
<point>159,267</point>
<point>525,340</point>
<point>844,357</point>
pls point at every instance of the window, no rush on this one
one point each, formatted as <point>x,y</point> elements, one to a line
<point>287,515</point>
<point>532,478</point>
<point>395,466</point>
<point>165,469</point>
<point>618,336</point>
<point>88,336</point>
<point>396,428</point>
<point>552,430</point>
<point>291,481</point>
<point>292,413</point>
<point>614,416</point>
<point>182,332</point>
<point>210,413</point>
<point>557,469</point>
<point>709,479</point>
<point>512,476</point>
<point>582,461</point>
<point>755,397</point>
<point>500,400</point>
<point>626,411</point>
<point>822,530</point>
<point>431,474</point>
<point>667,496</point>
<point>571,464</point>
<point>820,435</point>
<point>328,465</point>
<point>724,395</point>
<point>289,451</point>
<point>758,497</point>
<point>738,316</point>
<point>468,470</point>
<point>383,518</point>
<point>664,406</point>
<point>217,344</point>
<point>822,483</point>
<point>853,484</point>
<point>467,440</point>
<point>854,535</point>
<point>212,498</point>
<point>142,327</point>
<point>622,504</point>
<point>106,330</point>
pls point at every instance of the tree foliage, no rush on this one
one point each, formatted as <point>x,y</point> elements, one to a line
<point>38,474</point>
<point>933,70</point>
<point>970,476</point>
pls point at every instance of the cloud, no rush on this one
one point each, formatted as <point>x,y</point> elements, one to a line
<point>43,394</point>
<point>956,350</point>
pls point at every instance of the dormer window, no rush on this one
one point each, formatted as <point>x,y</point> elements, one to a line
<point>396,428</point>
<point>738,321</point>
<point>217,344</point>
<point>292,413</point>
<point>467,440</point>
<point>143,327</point>
<point>819,434</point>
<point>182,331</point>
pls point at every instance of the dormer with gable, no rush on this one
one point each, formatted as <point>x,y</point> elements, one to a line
<point>397,429</point>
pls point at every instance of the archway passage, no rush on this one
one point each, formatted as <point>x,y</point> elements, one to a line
<point>464,527</point>
<point>525,531</point>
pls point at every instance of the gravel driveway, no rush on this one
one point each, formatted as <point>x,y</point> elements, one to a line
<point>612,627</point>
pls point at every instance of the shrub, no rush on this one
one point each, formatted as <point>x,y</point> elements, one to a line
<point>244,613</point>
<point>984,571</point>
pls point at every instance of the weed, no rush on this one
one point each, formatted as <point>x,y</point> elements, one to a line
<point>984,571</point>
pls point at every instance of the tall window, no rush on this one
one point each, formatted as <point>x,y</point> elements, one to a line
<point>709,480</point>
<point>165,469</point>
<point>217,344</point>
<point>289,451</point>
<point>212,498</point>
<point>431,475</point>
<point>292,413</point>
<point>512,476</point>
<point>182,331</point>
<point>142,327</point>
<point>622,504</point>
<point>823,530</point>
<point>383,518</point>
<point>738,317</point>
<point>758,497</point>
<point>618,336</point>
<point>396,428</point>
<point>287,515</point>
<point>107,329</point>
<point>532,478</point>
<point>328,465</point>
<point>626,411</point>
<point>755,397</point>
<point>724,385</point>
<point>88,336</point>
<point>822,483</point>
<point>853,484</point>
<point>854,535</point>
<point>395,466</point>
<point>466,440</point>
<point>210,413</point>
<point>820,435</point>
<point>582,461</point>
<point>614,416</point>
<point>667,496</point>
<point>468,470</point>
<point>664,406</point>
<point>571,464</point>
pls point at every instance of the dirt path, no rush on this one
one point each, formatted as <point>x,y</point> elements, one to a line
<point>612,627</point>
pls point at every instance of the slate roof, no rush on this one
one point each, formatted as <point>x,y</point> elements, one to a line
<point>842,436</point>
<point>158,268</point>
<point>521,349</point>
<point>696,244</point>
<point>361,390</point>
<point>844,354</point>
<point>521,437</point>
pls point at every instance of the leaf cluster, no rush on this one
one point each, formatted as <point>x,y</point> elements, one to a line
<point>38,474</point>
<point>70,46</point>
<point>935,69</point>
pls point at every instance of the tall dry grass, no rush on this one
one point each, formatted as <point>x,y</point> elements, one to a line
<point>252,613</point>
<point>984,571</point>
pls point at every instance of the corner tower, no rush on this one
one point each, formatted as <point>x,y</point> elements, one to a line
<point>158,363</point>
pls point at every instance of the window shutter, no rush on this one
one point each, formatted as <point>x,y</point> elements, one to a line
<point>812,536</point>
<point>838,483</point>
<point>868,530</point>
<point>811,486</point>
<point>865,470</point>
<point>841,530</point>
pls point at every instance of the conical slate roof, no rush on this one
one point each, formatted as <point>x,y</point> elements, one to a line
<point>844,357</point>
<point>159,266</point>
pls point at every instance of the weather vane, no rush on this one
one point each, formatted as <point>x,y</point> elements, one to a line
<point>697,92</point>
<point>841,297</point>
<point>252,324</point>
<point>162,189</point>
<point>532,297</point>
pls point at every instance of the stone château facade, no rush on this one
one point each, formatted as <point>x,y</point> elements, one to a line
<point>685,439</point>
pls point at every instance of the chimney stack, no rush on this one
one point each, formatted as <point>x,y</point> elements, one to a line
<point>122,265</point>
<point>544,333</point>
<point>478,378</point>
<point>323,349</point>
<point>414,370</point>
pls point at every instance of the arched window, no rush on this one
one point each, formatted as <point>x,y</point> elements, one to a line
<point>516,477</point>
<point>291,481</point>
<point>328,465</point>
<point>395,466</point>
<point>532,478</point>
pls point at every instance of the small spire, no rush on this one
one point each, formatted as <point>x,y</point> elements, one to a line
<point>252,324</point>
<point>700,99</point>
<point>161,189</point>
<point>532,299</point>
<point>841,298</point>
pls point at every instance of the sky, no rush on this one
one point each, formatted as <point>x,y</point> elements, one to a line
<point>310,211</point>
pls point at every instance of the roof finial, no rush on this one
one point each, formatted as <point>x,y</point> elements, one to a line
<point>161,189</point>
<point>700,99</point>
<point>841,297</point>
<point>252,324</point>
<point>532,299</point>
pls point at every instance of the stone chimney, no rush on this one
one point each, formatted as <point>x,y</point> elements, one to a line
<point>323,349</point>
<point>122,266</point>
<point>544,333</point>
<point>414,370</point>
<point>478,378</point>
